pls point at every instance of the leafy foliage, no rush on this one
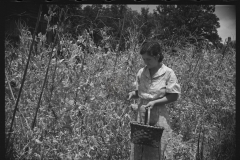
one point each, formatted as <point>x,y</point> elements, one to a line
<point>84,111</point>
<point>197,19</point>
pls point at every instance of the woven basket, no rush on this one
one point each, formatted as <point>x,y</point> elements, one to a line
<point>146,134</point>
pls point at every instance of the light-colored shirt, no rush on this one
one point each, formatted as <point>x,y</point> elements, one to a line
<point>155,87</point>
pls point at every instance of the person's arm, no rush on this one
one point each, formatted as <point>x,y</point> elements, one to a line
<point>133,95</point>
<point>170,97</point>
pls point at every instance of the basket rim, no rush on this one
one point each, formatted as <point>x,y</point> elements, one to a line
<point>140,124</point>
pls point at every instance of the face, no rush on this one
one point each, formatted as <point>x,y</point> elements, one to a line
<point>150,61</point>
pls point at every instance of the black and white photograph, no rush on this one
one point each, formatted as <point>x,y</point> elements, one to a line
<point>120,81</point>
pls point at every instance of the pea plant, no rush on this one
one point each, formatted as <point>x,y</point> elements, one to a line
<point>73,104</point>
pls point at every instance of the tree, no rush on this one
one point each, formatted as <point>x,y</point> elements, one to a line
<point>147,21</point>
<point>198,20</point>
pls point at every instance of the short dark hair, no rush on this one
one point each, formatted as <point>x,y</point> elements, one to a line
<point>152,48</point>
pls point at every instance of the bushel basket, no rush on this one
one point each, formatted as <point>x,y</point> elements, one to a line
<point>146,134</point>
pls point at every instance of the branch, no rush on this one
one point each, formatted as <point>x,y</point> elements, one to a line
<point>109,17</point>
<point>75,16</point>
<point>96,16</point>
<point>24,75</point>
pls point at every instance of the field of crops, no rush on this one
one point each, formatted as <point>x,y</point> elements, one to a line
<point>83,111</point>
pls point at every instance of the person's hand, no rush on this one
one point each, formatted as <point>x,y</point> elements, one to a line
<point>131,95</point>
<point>149,105</point>
<point>134,107</point>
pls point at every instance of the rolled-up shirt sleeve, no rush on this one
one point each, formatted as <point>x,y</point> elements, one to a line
<point>172,84</point>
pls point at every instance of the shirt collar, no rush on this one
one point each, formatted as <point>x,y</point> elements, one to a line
<point>160,71</point>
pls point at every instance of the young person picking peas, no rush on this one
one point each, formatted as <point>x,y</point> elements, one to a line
<point>157,85</point>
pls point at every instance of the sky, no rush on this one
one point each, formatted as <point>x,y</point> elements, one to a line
<point>225,13</point>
